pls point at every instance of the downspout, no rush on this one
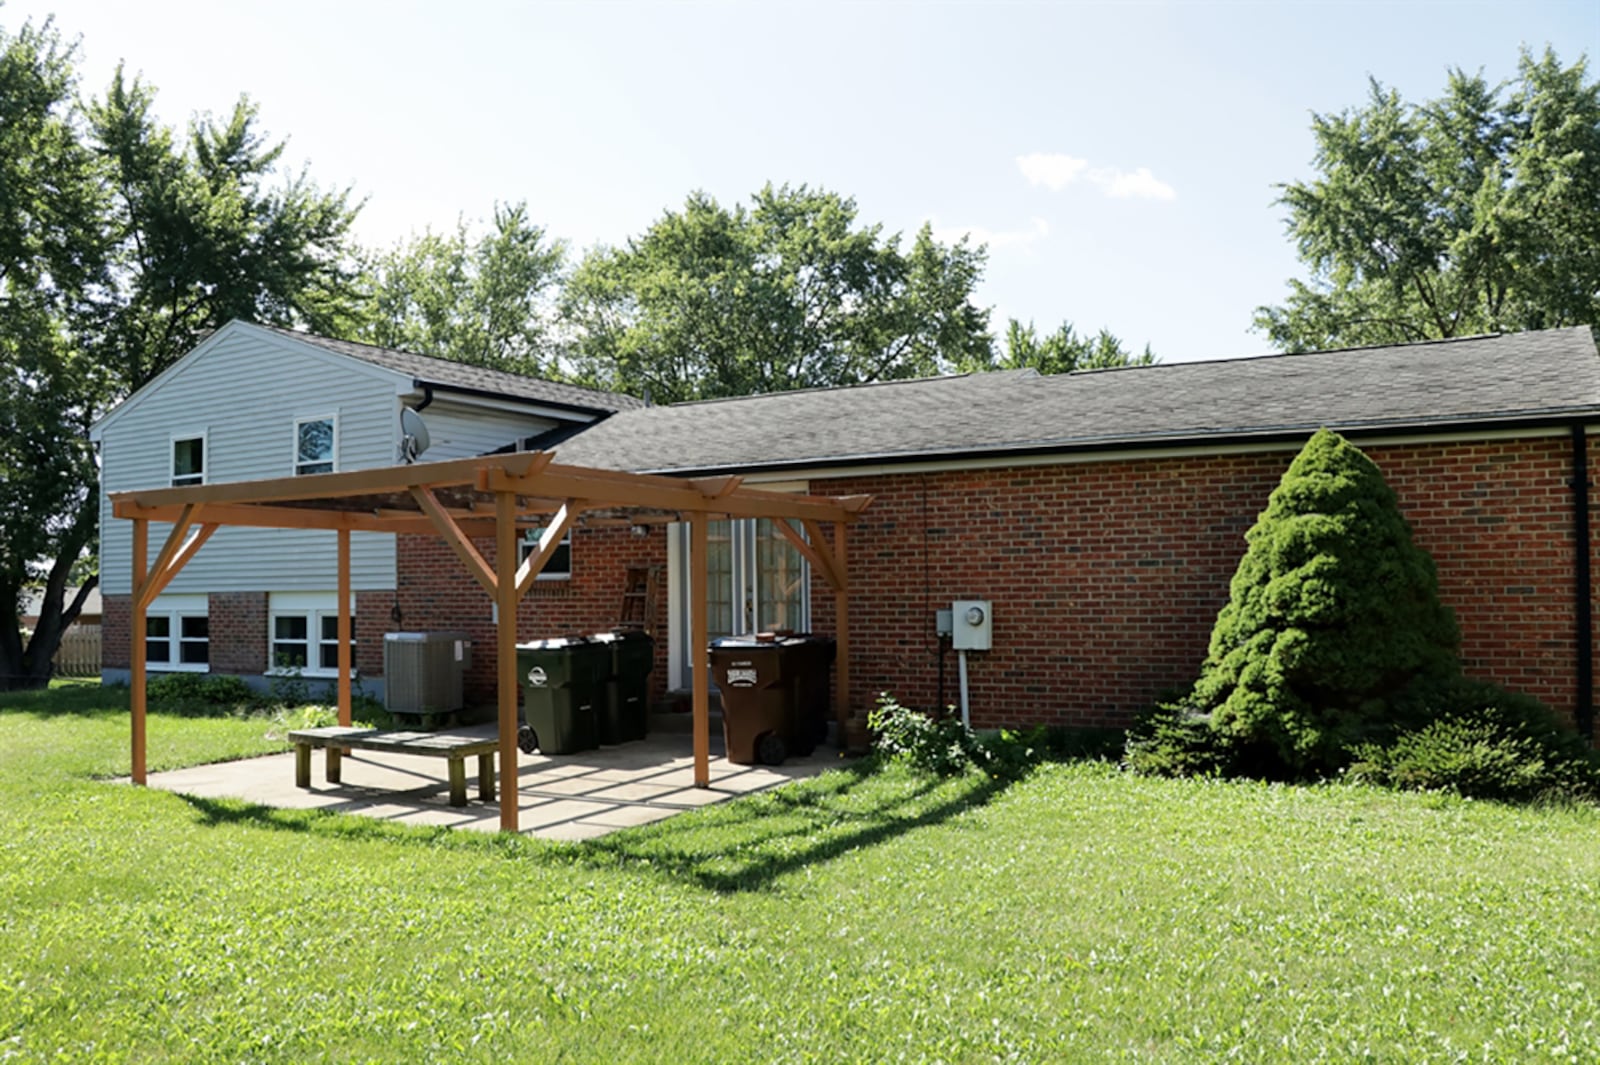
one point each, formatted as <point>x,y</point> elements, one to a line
<point>1582,587</point>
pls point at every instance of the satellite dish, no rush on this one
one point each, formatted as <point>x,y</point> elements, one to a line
<point>414,438</point>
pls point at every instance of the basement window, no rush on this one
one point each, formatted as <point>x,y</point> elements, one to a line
<point>559,568</point>
<point>177,634</point>
<point>303,633</point>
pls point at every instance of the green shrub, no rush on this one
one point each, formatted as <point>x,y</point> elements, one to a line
<point>1333,615</point>
<point>946,747</point>
<point>1173,739</point>
<point>200,694</point>
<point>1482,742</point>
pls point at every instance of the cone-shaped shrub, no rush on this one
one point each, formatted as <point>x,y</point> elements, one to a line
<point>1333,614</point>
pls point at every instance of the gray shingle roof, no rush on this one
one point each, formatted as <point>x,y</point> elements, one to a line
<point>1546,376</point>
<point>447,374</point>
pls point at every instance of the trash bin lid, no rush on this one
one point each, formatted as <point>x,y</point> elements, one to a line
<point>554,643</point>
<point>621,636</point>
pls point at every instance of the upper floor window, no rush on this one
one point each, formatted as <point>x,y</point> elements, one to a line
<point>188,460</point>
<point>314,444</point>
<point>559,567</point>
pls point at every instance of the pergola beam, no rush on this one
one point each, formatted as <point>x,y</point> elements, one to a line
<point>458,540</point>
<point>549,541</point>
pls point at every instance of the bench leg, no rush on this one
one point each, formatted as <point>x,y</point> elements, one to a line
<point>458,780</point>
<point>486,777</point>
<point>334,764</point>
<point>302,765</point>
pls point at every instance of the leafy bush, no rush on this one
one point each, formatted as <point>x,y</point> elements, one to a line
<point>200,694</point>
<point>1333,614</point>
<point>1482,742</point>
<point>946,747</point>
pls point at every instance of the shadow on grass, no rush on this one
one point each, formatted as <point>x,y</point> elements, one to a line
<point>746,844</point>
<point>74,699</point>
<point>750,844</point>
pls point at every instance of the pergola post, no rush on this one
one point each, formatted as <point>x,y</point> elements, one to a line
<point>345,662</point>
<point>698,639</point>
<point>505,597</point>
<point>136,650</point>
<point>841,635</point>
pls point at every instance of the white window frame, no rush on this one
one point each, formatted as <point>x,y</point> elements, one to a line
<point>313,607</point>
<point>528,542</point>
<point>187,480</point>
<point>173,609</point>
<point>294,444</point>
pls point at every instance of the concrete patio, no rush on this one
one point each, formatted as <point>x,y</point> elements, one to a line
<point>569,797</point>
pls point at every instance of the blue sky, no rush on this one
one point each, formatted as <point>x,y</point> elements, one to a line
<point>1118,158</point>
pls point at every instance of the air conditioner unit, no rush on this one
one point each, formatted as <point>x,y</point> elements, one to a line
<point>423,671</point>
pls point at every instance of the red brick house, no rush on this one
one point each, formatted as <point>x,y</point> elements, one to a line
<point>1101,513</point>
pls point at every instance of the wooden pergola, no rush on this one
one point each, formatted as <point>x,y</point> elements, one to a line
<point>466,499</point>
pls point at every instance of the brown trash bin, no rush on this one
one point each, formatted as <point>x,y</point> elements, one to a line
<point>774,695</point>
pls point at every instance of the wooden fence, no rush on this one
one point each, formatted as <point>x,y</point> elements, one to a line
<point>79,653</point>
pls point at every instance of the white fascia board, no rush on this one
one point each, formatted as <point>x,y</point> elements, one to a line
<point>162,379</point>
<point>411,389</point>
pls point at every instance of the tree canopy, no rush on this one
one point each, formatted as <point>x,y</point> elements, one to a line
<point>489,299</point>
<point>121,244</point>
<point>788,293</point>
<point>1475,212</point>
<point>1062,351</point>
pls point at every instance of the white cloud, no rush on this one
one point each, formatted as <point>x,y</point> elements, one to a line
<point>1056,171</point>
<point>1137,185</point>
<point>1052,170</point>
<point>1036,231</point>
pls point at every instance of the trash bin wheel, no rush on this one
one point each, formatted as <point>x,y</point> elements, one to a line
<point>527,739</point>
<point>770,749</point>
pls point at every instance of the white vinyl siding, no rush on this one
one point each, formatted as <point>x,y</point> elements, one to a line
<point>460,430</point>
<point>252,385</point>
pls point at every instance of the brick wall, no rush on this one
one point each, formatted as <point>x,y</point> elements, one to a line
<point>1107,577</point>
<point>436,594</point>
<point>116,626</point>
<point>237,623</point>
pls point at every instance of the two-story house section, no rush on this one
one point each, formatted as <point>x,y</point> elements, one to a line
<point>254,402</point>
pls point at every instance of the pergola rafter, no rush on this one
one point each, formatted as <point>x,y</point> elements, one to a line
<point>463,500</point>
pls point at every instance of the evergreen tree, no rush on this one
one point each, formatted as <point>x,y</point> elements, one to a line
<point>1334,613</point>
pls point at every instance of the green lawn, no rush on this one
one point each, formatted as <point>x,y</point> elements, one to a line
<point>1079,915</point>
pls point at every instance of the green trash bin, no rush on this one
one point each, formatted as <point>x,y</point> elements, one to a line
<point>563,691</point>
<point>625,715</point>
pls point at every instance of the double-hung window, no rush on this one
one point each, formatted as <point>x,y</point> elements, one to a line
<point>188,460</point>
<point>177,634</point>
<point>315,441</point>
<point>559,567</point>
<point>303,633</point>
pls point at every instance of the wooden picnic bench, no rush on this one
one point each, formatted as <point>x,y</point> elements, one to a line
<point>453,746</point>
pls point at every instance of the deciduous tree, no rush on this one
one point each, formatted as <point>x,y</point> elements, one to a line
<point>788,293</point>
<point>121,244</point>
<point>1476,212</point>
<point>488,300</point>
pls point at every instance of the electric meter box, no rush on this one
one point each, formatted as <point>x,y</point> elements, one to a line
<point>973,622</point>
